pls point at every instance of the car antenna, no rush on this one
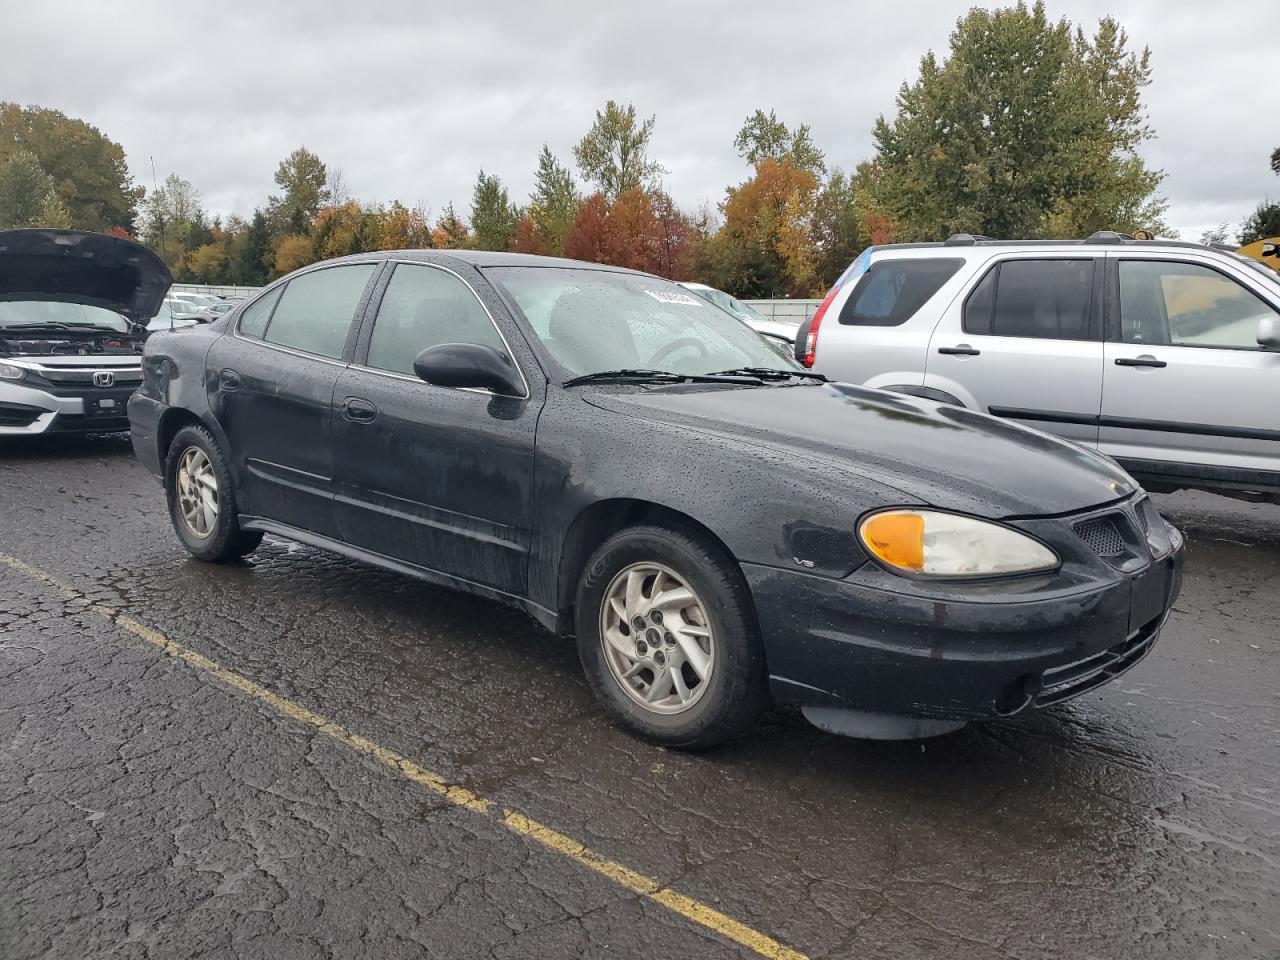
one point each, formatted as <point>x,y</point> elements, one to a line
<point>155,188</point>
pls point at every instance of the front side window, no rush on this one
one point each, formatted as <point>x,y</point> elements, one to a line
<point>424,307</point>
<point>316,309</point>
<point>254,320</point>
<point>597,320</point>
<point>891,291</point>
<point>1185,304</point>
<point>1044,299</point>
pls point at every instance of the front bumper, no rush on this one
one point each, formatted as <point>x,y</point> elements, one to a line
<point>877,643</point>
<point>29,410</point>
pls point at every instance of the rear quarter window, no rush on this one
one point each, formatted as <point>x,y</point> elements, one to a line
<point>891,291</point>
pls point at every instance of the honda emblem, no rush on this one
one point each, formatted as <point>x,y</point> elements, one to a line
<point>103,378</point>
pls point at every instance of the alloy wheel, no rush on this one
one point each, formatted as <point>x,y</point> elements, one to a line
<point>657,638</point>
<point>197,492</point>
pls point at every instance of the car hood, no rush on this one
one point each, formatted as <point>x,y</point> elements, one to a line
<point>934,454</point>
<point>72,266</point>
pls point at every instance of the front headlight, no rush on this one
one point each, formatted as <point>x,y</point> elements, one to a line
<point>935,544</point>
<point>10,372</point>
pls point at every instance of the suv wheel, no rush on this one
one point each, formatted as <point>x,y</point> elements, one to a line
<point>202,503</point>
<point>667,636</point>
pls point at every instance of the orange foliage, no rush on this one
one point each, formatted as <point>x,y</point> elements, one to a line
<point>526,239</point>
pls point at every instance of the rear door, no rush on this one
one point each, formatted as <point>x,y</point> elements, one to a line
<point>436,476</point>
<point>271,383</point>
<point>1188,391</point>
<point>1025,343</point>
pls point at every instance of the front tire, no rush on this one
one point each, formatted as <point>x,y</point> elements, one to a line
<point>668,639</point>
<point>202,502</point>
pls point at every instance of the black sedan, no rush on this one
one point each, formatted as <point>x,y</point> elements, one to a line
<point>636,468</point>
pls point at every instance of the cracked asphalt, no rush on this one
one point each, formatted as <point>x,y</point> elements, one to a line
<point>149,810</point>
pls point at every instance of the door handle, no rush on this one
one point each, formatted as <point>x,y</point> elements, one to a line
<point>960,350</point>
<point>1146,360</point>
<point>359,411</point>
<point>228,379</point>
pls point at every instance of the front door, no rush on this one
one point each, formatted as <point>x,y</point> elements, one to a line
<point>435,476</point>
<point>1026,344</point>
<point>1188,390</point>
<point>270,385</point>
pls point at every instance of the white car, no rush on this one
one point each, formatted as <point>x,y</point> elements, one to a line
<point>1163,354</point>
<point>782,333</point>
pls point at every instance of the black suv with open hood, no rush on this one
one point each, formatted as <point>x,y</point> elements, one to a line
<point>73,313</point>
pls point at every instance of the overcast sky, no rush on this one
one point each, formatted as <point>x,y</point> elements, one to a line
<point>411,99</point>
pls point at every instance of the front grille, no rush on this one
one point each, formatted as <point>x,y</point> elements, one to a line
<point>1074,679</point>
<point>1143,520</point>
<point>1102,536</point>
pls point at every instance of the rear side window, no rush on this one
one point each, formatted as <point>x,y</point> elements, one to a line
<point>254,320</point>
<point>891,291</point>
<point>1045,299</point>
<point>316,309</point>
<point>425,307</point>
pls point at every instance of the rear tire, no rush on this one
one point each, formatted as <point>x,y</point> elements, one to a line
<point>667,636</point>
<point>202,502</point>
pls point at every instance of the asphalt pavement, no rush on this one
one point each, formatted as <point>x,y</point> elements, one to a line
<point>298,756</point>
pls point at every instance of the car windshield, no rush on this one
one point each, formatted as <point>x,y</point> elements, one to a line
<point>729,302</point>
<point>37,312</point>
<point>597,320</point>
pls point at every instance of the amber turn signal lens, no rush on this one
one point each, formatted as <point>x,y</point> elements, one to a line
<point>897,539</point>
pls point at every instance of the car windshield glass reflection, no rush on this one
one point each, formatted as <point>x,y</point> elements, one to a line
<point>597,320</point>
<point>36,312</point>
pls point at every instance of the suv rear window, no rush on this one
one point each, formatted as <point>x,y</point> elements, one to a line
<point>1045,299</point>
<point>892,290</point>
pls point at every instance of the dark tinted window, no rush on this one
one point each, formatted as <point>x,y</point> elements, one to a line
<point>316,309</point>
<point>254,320</point>
<point>1046,299</point>
<point>892,290</point>
<point>424,307</point>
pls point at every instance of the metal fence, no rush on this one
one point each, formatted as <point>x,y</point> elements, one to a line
<point>785,311</point>
<point>214,289</point>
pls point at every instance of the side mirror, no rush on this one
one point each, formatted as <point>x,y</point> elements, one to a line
<point>1269,333</point>
<point>469,365</point>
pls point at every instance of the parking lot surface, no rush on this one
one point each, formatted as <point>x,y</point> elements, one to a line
<point>301,757</point>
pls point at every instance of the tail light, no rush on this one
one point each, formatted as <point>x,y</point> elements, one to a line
<point>811,336</point>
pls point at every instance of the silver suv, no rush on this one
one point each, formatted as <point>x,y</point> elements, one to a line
<point>1164,355</point>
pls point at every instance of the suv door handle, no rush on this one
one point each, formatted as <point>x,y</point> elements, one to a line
<point>1146,360</point>
<point>228,379</point>
<point>359,411</point>
<point>960,350</point>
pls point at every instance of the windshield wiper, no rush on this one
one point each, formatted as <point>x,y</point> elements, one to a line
<point>661,376</point>
<point>769,373</point>
<point>48,324</point>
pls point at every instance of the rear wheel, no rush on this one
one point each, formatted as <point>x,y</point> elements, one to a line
<point>202,503</point>
<point>667,636</point>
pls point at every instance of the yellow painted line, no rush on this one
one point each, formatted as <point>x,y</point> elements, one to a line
<point>687,907</point>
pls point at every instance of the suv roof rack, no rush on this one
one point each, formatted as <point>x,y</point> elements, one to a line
<point>1108,236</point>
<point>966,240</point>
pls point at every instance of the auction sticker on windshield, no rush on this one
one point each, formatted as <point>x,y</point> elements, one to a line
<point>667,296</point>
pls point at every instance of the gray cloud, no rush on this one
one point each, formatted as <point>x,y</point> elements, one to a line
<point>411,98</point>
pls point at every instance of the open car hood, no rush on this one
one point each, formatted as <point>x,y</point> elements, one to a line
<point>72,266</point>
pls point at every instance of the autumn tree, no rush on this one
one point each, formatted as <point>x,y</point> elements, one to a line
<point>765,248</point>
<point>493,215</point>
<point>613,155</point>
<point>88,171</point>
<point>303,181</point>
<point>450,232</point>
<point>838,228</point>
<point>526,238</point>
<point>1025,129</point>
<point>554,204</point>
<point>293,252</point>
<point>173,221</point>
<point>27,195</point>
<point>765,137</point>
<point>585,240</point>
<point>404,228</point>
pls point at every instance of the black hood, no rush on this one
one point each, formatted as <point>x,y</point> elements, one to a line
<point>934,454</point>
<point>71,266</point>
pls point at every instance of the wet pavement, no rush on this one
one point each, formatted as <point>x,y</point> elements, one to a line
<point>149,809</point>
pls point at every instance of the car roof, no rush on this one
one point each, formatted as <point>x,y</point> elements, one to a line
<point>482,259</point>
